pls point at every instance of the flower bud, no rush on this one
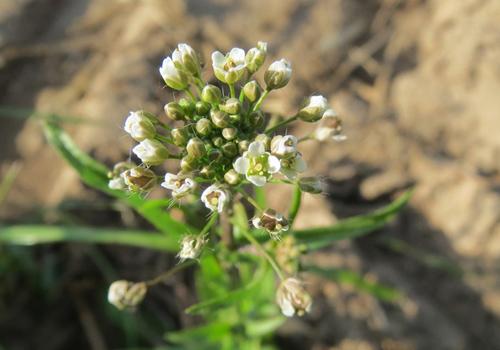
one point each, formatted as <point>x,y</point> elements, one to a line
<point>274,223</point>
<point>243,146</point>
<point>185,58</point>
<point>313,109</point>
<point>191,247</point>
<point>293,298</point>
<point>151,152</point>
<point>235,118</point>
<point>256,56</point>
<point>125,294</point>
<point>229,149</point>
<point>204,126</point>
<point>139,179</point>
<point>207,172</point>
<point>202,108</point>
<point>278,74</point>
<point>173,77</point>
<point>252,91</point>
<point>229,133</point>
<point>218,141</point>
<point>220,119</point>
<point>174,111</point>
<point>256,119</point>
<point>196,148</point>
<point>188,164</point>
<point>231,106</point>
<point>179,136</point>
<point>140,126</point>
<point>211,94</point>
<point>311,185</point>
<point>232,177</point>
<point>188,106</point>
<point>265,140</point>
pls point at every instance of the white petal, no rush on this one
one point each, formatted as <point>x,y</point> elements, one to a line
<point>177,56</point>
<point>255,149</point>
<point>330,113</point>
<point>257,180</point>
<point>318,101</point>
<point>163,68</point>
<point>241,165</point>
<point>287,308</point>
<point>289,173</point>
<point>256,223</point>
<point>273,164</point>
<point>237,55</point>
<point>222,201</point>
<point>218,59</point>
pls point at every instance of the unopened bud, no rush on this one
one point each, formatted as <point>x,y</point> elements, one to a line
<point>202,108</point>
<point>278,74</point>
<point>211,94</point>
<point>179,136</point>
<point>185,58</point>
<point>265,140</point>
<point>220,119</point>
<point>196,148</point>
<point>256,56</point>
<point>207,172</point>
<point>174,111</point>
<point>243,146</point>
<point>151,152</point>
<point>252,91</point>
<point>218,141</point>
<point>204,127</point>
<point>188,106</point>
<point>125,294</point>
<point>188,164</point>
<point>214,155</point>
<point>231,106</point>
<point>232,177</point>
<point>173,77</point>
<point>311,185</point>
<point>229,133</point>
<point>293,298</point>
<point>313,109</point>
<point>139,179</point>
<point>256,119</point>
<point>229,149</point>
<point>140,126</point>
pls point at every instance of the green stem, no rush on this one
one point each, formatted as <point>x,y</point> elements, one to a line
<point>279,125</point>
<point>296,201</point>
<point>242,96</point>
<point>209,224</point>
<point>190,94</point>
<point>264,252</point>
<point>250,200</point>
<point>164,276</point>
<point>305,138</point>
<point>163,139</point>
<point>260,100</point>
<point>232,91</point>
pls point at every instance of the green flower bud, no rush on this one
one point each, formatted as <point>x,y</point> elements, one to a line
<point>252,91</point>
<point>220,119</point>
<point>139,179</point>
<point>185,58</point>
<point>211,94</point>
<point>229,133</point>
<point>265,140</point>
<point>175,78</point>
<point>207,172</point>
<point>311,185</point>
<point>218,141</point>
<point>243,146</point>
<point>278,74</point>
<point>232,177</point>
<point>256,119</point>
<point>174,111</point>
<point>255,57</point>
<point>196,148</point>
<point>215,155</point>
<point>125,294</point>
<point>231,106</point>
<point>313,109</point>
<point>229,149</point>
<point>140,125</point>
<point>151,152</point>
<point>188,164</point>
<point>204,127</point>
<point>180,137</point>
<point>188,106</point>
<point>202,108</point>
<point>235,118</point>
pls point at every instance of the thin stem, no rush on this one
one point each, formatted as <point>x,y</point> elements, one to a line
<point>231,90</point>
<point>166,275</point>
<point>295,206</point>
<point>256,106</point>
<point>242,96</point>
<point>250,200</point>
<point>209,224</point>
<point>163,138</point>
<point>190,94</point>
<point>305,138</point>
<point>279,125</point>
<point>264,252</point>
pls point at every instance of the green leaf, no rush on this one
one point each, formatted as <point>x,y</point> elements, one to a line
<point>262,327</point>
<point>41,234</point>
<point>207,335</point>
<point>352,278</point>
<point>356,226</point>
<point>94,174</point>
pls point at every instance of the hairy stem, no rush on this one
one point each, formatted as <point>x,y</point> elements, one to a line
<point>166,275</point>
<point>295,206</point>
<point>256,106</point>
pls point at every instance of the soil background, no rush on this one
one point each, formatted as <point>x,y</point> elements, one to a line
<point>417,84</point>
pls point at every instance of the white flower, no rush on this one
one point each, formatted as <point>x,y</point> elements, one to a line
<point>284,145</point>
<point>274,223</point>
<point>256,164</point>
<point>215,198</point>
<point>329,127</point>
<point>291,166</point>
<point>125,294</point>
<point>278,74</point>
<point>117,183</point>
<point>139,126</point>
<point>174,77</point>
<point>184,57</point>
<point>293,298</point>
<point>151,152</point>
<point>231,67</point>
<point>191,247</point>
<point>313,109</point>
<point>179,185</point>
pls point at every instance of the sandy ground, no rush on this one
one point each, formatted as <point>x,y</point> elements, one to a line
<point>416,82</point>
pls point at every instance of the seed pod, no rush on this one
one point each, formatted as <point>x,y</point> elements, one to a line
<point>125,294</point>
<point>243,146</point>
<point>265,140</point>
<point>229,133</point>
<point>232,177</point>
<point>204,127</point>
<point>188,106</point>
<point>311,185</point>
<point>252,91</point>
<point>196,148</point>
<point>180,137</point>
<point>230,149</point>
<point>174,111</point>
<point>202,108</point>
<point>220,119</point>
<point>139,179</point>
<point>211,94</point>
<point>188,164</point>
<point>231,106</point>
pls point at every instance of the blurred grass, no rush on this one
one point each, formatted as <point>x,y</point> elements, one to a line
<point>8,180</point>
<point>28,113</point>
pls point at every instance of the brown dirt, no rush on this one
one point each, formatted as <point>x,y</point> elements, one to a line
<point>417,83</point>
